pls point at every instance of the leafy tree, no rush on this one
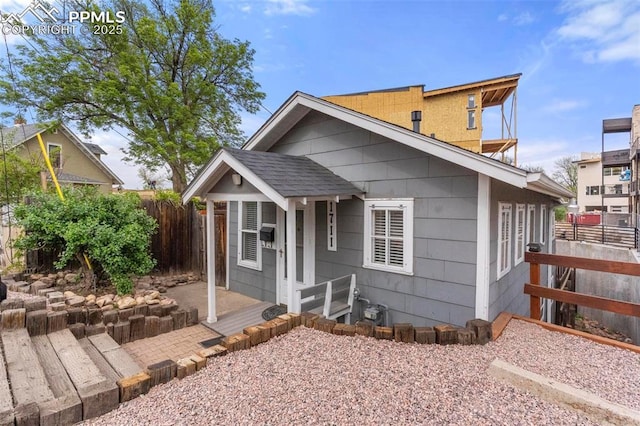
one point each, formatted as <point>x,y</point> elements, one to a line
<point>19,175</point>
<point>566,173</point>
<point>111,230</point>
<point>169,78</point>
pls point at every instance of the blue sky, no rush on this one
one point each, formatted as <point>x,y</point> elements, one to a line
<point>580,60</point>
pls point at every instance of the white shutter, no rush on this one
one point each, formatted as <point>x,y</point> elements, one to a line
<point>249,248</point>
<point>388,243</point>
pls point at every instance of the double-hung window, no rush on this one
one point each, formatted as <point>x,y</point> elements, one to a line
<point>388,235</point>
<point>520,230</point>
<point>504,238</point>
<point>55,155</point>
<point>249,248</point>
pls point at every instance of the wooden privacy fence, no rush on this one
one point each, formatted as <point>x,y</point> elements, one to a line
<point>536,291</point>
<point>179,245</point>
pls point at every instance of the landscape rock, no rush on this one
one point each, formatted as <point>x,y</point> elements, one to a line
<point>140,300</point>
<point>68,294</point>
<point>61,282</point>
<point>75,301</point>
<point>48,280</point>
<point>72,278</point>
<point>126,302</point>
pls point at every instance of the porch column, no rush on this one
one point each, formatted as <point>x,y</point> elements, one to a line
<point>483,239</point>
<point>293,305</point>
<point>211,262</point>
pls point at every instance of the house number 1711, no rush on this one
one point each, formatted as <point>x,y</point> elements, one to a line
<point>332,230</point>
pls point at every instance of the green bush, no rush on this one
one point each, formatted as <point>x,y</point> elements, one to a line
<point>168,195</point>
<point>111,230</point>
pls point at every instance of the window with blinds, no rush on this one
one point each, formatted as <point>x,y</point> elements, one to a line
<point>520,217</point>
<point>389,235</point>
<point>504,238</point>
<point>249,249</point>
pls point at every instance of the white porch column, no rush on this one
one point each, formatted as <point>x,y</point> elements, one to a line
<point>211,262</point>
<point>483,239</point>
<point>293,303</point>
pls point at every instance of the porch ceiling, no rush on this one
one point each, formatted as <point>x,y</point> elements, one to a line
<point>293,176</point>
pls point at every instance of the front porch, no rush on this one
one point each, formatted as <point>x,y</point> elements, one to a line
<point>276,235</point>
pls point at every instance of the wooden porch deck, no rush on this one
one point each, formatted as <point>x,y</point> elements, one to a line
<point>234,322</point>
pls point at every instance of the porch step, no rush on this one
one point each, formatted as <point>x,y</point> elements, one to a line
<point>66,408</point>
<point>6,401</point>
<point>98,393</point>
<point>117,357</point>
<point>102,364</point>
<point>29,383</point>
<point>235,322</point>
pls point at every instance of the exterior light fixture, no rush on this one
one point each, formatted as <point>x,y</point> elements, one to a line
<point>237,179</point>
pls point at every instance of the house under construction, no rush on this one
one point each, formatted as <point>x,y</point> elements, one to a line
<point>451,114</point>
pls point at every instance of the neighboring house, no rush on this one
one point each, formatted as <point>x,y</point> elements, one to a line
<point>453,114</point>
<point>432,230</point>
<point>74,162</point>
<point>634,155</point>
<point>604,185</point>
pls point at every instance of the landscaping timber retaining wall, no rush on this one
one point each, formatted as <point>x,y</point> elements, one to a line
<point>476,332</point>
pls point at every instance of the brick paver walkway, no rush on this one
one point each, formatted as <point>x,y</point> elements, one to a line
<point>173,345</point>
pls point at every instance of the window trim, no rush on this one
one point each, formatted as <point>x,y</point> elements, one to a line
<point>406,206</point>
<point>471,100</point>
<point>520,235</point>
<point>471,113</point>
<point>544,224</point>
<point>508,209</point>
<point>531,215</point>
<point>51,145</point>
<point>257,264</point>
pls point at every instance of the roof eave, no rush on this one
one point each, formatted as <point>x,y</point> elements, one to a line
<point>539,182</point>
<point>468,159</point>
<point>95,160</point>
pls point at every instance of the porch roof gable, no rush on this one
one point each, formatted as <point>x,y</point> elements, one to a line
<point>277,176</point>
<point>294,176</point>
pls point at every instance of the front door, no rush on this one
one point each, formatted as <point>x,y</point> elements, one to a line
<point>305,250</point>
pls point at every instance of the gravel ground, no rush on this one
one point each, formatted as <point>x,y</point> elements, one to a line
<point>310,377</point>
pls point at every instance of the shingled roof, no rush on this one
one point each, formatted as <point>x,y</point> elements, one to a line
<point>293,176</point>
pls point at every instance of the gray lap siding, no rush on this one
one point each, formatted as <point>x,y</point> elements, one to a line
<point>442,288</point>
<point>260,285</point>
<point>507,293</point>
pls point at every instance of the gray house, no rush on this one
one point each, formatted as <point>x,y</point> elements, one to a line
<point>435,232</point>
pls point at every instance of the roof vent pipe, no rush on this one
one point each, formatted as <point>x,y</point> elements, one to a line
<point>416,118</point>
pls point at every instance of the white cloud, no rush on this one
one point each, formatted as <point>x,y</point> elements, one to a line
<point>525,18</point>
<point>245,8</point>
<point>603,32</point>
<point>289,7</point>
<point>113,143</point>
<point>563,105</point>
<point>543,153</point>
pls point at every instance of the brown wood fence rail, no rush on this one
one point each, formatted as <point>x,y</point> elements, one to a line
<point>535,291</point>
